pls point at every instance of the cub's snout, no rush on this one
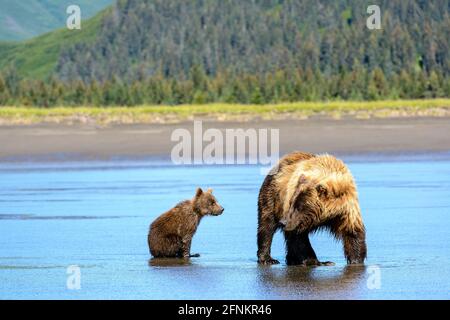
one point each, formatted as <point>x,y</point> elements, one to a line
<point>220,211</point>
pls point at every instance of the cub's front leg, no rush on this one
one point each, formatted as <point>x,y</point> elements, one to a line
<point>186,248</point>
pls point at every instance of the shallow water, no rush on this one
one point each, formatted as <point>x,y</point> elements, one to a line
<point>96,216</point>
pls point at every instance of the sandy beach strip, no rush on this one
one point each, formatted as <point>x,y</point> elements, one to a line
<point>53,142</point>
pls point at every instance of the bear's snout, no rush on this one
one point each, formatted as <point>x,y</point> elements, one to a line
<point>289,225</point>
<point>218,212</point>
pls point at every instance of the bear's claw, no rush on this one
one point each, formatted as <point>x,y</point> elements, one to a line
<point>317,263</point>
<point>268,261</point>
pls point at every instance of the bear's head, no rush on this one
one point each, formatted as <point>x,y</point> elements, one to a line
<point>206,204</point>
<point>317,199</point>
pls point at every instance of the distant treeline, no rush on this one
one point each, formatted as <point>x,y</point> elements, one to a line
<point>140,38</point>
<point>198,88</point>
<point>259,51</point>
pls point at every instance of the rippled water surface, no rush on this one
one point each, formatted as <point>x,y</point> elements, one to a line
<point>96,216</point>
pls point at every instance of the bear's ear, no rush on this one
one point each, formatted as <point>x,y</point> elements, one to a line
<point>210,190</point>
<point>199,192</point>
<point>304,186</point>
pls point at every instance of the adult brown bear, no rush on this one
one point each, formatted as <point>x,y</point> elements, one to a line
<point>305,193</point>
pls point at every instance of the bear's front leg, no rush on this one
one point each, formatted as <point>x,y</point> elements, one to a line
<point>266,230</point>
<point>299,250</point>
<point>186,248</point>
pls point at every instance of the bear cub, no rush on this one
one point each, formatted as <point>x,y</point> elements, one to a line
<point>170,235</point>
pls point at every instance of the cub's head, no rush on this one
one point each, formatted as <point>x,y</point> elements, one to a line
<point>316,199</point>
<point>206,204</point>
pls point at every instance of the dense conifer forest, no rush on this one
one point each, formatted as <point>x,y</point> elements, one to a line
<point>252,51</point>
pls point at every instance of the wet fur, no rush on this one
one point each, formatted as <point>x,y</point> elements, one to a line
<point>307,193</point>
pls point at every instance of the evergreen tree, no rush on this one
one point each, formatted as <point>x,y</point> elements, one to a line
<point>4,92</point>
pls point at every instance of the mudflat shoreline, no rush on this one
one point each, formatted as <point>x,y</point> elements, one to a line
<point>50,142</point>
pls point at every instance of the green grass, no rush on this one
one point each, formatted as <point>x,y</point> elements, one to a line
<point>144,114</point>
<point>37,58</point>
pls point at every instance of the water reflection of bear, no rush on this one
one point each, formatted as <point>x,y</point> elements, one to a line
<point>169,262</point>
<point>310,281</point>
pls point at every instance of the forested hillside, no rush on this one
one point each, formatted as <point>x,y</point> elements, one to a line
<point>28,18</point>
<point>252,51</point>
<point>262,36</point>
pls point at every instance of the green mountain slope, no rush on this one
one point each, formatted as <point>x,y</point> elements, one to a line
<point>38,57</point>
<point>21,20</point>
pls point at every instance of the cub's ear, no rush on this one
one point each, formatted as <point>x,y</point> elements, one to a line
<point>199,192</point>
<point>210,190</point>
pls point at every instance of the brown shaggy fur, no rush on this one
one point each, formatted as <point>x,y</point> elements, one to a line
<point>171,234</point>
<point>305,193</point>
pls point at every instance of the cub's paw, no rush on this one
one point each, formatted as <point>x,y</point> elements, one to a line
<point>268,261</point>
<point>196,255</point>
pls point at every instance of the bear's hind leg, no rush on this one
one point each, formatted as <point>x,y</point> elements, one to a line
<point>355,249</point>
<point>167,247</point>
<point>299,250</point>
<point>353,237</point>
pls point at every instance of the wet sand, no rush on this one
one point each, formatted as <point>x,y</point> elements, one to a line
<point>346,136</point>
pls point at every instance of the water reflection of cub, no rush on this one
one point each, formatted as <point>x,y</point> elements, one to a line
<point>169,262</point>
<point>334,282</point>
